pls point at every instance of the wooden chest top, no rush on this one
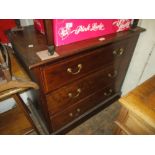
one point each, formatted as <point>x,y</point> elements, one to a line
<point>29,36</point>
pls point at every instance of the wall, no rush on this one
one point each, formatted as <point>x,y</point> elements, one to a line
<point>26,22</point>
<point>142,63</point>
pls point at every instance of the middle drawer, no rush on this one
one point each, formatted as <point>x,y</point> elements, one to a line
<point>66,96</point>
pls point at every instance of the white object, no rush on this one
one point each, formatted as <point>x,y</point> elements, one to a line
<point>44,55</point>
<point>101,39</point>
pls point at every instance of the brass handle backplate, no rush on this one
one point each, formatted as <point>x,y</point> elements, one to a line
<point>78,91</point>
<point>78,110</point>
<point>113,75</point>
<point>118,52</point>
<point>108,93</point>
<point>69,70</point>
<point>76,114</point>
<point>71,114</point>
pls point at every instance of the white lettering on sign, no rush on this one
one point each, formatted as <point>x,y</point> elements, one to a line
<point>122,24</point>
<point>64,32</point>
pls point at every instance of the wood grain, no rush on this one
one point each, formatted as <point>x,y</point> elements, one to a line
<point>60,99</point>
<point>76,110</point>
<point>140,103</point>
<point>14,122</point>
<point>56,75</point>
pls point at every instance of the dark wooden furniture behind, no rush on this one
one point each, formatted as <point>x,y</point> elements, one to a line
<point>86,76</point>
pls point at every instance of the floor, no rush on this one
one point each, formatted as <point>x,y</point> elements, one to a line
<point>100,124</point>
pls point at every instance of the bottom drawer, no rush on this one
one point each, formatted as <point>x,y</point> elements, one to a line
<point>63,118</point>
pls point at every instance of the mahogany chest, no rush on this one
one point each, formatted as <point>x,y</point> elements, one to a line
<point>85,78</point>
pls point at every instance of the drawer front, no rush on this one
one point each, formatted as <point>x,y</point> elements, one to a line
<point>61,119</point>
<point>57,75</point>
<point>74,92</point>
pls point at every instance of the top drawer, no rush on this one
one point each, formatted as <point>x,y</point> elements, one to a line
<point>56,75</point>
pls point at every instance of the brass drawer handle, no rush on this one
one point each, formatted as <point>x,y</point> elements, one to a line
<point>78,93</point>
<point>113,75</point>
<point>118,52</point>
<point>71,114</point>
<point>69,70</point>
<point>108,93</point>
<point>78,110</point>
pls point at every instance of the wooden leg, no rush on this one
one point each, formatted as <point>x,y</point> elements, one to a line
<point>121,118</point>
<point>26,111</point>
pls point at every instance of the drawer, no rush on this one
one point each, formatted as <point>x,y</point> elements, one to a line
<point>76,110</point>
<point>72,93</point>
<point>57,75</point>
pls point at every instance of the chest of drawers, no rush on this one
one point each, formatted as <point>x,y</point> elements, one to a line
<point>85,78</point>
